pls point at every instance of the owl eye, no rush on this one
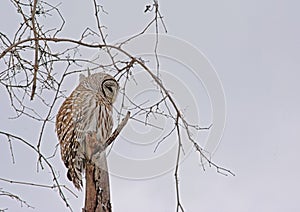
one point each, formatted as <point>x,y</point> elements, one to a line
<point>109,88</point>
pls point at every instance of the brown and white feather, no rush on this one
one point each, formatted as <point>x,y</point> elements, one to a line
<point>87,110</point>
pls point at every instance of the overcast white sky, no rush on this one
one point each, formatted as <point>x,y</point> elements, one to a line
<point>254,47</point>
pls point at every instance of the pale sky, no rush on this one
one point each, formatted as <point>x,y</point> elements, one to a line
<point>254,48</point>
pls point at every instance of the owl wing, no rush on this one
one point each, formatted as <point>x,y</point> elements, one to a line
<point>71,134</point>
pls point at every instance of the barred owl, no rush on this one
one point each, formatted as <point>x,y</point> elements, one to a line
<point>87,110</point>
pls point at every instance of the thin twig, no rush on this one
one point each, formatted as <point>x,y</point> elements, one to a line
<point>36,49</point>
<point>15,197</point>
<point>38,185</point>
<point>113,136</point>
<point>179,205</point>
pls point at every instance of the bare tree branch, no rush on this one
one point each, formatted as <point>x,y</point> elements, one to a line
<point>117,130</point>
<point>55,179</point>
<point>14,197</point>
<point>36,48</point>
<point>38,185</point>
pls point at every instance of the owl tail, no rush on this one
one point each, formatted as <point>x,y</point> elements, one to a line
<point>74,174</point>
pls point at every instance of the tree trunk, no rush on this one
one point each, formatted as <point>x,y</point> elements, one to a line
<point>97,197</point>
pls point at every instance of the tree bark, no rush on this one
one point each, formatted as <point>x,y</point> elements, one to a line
<point>97,198</point>
<point>90,189</point>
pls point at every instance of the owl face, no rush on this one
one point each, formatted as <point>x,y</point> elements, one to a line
<point>103,84</point>
<point>110,89</point>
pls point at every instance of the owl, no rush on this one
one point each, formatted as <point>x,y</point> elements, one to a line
<point>88,110</point>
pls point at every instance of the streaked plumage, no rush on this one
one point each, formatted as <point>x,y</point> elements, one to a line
<point>87,110</point>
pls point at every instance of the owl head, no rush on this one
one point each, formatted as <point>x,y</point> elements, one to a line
<point>102,83</point>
